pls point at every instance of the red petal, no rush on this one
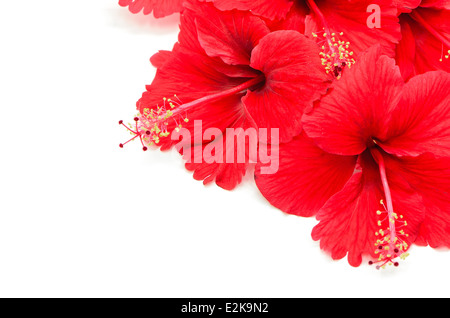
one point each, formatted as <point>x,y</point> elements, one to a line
<point>189,38</point>
<point>357,108</point>
<point>405,52</point>
<point>270,9</point>
<point>407,5</point>
<point>295,78</point>
<point>421,121</point>
<point>306,178</point>
<point>136,6</point>
<point>226,174</point>
<point>160,8</point>
<point>430,178</point>
<point>189,77</point>
<point>440,4</point>
<point>295,19</point>
<point>230,35</point>
<point>348,221</point>
<point>188,72</point>
<point>350,17</point>
<point>431,32</point>
<point>160,58</point>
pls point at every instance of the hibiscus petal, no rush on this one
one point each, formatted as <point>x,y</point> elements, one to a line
<point>295,19</point>
<point>229,171</point>
<point>431,31</point>
<point>136,6</point>
<point>306,178</point>
<point>160,8</point>
<point>421,121</point>
<point>187,76</point>
<point>295,78</point>
<point>160,58</point>
<point>405,52</point>
<point>429,177</point>
<point>357,108</point>
<point>348,221</point>
<point>441,4</point>
<point>407,5</point>
<point>188,39</point>
<point>230,35</point>
<point>270,9</point>
<point>188,72</point>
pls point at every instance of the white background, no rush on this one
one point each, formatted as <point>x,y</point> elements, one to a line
<point>80,217</point>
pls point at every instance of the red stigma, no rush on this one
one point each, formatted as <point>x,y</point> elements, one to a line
<point>136,133</point>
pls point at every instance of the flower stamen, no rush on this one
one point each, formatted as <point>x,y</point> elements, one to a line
<point>335,54</point>
<point>390,243</point>
<point>151,125</point>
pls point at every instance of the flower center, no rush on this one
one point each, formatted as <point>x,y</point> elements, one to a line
<point>390,243</point>
<point>152,123</point>
<point>445,42</point>
<point>335,54</point>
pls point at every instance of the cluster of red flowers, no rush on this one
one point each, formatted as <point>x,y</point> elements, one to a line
<point>359,91</point>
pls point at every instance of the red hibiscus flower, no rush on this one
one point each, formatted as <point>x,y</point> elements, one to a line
<point>373,163</point>
<point>229,71</point>
<point>335,20</point>
<point>160,8</point>
<point>425,43</point>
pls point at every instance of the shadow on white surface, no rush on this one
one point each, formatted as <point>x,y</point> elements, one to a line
<point>139,23</point>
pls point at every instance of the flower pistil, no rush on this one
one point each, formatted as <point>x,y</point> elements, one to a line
<point>390,243</point>
<point>152,123</point>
